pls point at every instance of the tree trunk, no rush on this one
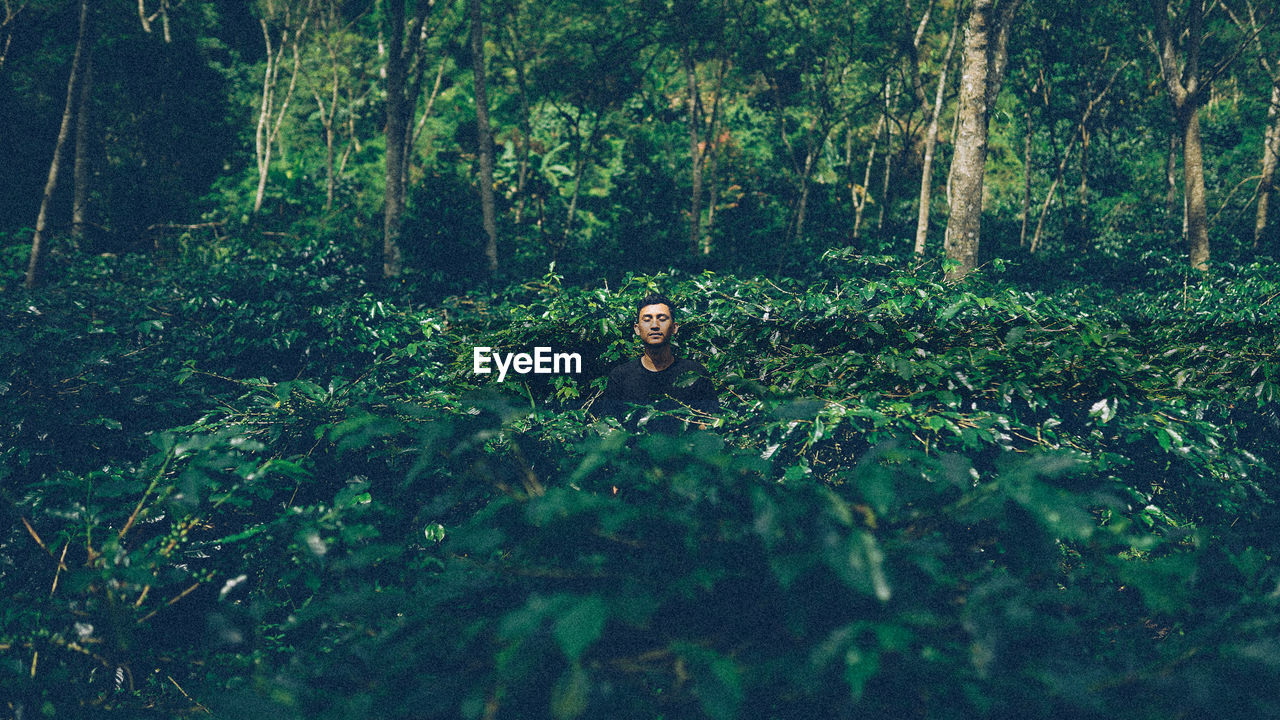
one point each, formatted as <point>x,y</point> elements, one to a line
<point>580,169</point>
<point>986,58</point>
<point>860,193</point>
<point>271,117</point>
<point>695,154</point>
<point>518,62</point>
<point>1048,200</point>
<point>1271,133</point>
<point>1171,176</point>
<point>426,111</point>
<point>931,141</point>
<point>1026,177</point>
<point>82,169</point>
<point>969,163</point>
<point>710,151</point>
<point>888,170</point>
<point>328,163</point>
<point>1082,192</point>
<point>1186,88</point>
<point>261,146</point>
<point>6,28</point>
<point>483,136</point>
<point>412,93</point>
<point>1186,84</point>
<point>803,204</point>
<point>399,105</point>
<point>393,210</point>
<point>328,115</point>
<point>162,13</point>
<point>1270,151</point>
<point>64,130</point>
<point>712,196</point>
<point>1193,182</point>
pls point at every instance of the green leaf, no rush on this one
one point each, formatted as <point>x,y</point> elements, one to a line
<point>951,310</point>
<point>717,681</point>
<point>1164,583</point>
<point>570,694</point>
<point>580,626</point>
<point>796,472</point>
<point>434,532</point>
<point>859,666</point>
<point>1104,409</point>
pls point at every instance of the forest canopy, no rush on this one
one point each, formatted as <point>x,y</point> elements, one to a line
<point>985,289</point>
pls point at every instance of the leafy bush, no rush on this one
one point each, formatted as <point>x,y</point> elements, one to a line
<point>254,486</point>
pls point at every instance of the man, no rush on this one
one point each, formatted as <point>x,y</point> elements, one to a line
<point>657,377</point>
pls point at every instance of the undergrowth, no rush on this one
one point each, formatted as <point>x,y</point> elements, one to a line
<point>260,485</point>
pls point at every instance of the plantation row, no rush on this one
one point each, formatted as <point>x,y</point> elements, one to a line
<point>260,486</point>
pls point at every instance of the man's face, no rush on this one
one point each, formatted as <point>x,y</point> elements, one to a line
<point>655,326</point>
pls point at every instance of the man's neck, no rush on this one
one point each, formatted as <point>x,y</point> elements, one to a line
<point>657,358</point>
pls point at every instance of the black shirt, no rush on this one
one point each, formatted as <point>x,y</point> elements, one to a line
<point>666,390</point>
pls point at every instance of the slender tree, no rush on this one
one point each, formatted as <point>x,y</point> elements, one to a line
<point>931,139</point>
<point>1081,135</point>
<point>986,58</point>
<point>1183,83</point>
<point>402,96</point>
<point>1250,22</point>
<point>861,191</point>
<point>11,11</point>
<point>484,138</point>
<point>814,47</point>
<point>64,130</point>
<point>283,24</point>
<point>517,52</point>
<point>700,32</point>
<point>162,12</point>
<point>887,176</point>
<point>1187,80</point>
<point>1270,153</point>
<point>340,74</point>
<point>81,171</point>
<point>1028,132</point>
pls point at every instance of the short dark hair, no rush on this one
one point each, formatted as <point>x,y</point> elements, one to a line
<point>656,299</point>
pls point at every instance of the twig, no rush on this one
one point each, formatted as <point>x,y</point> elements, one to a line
<point>185,695</point>
<point>35,536</point>
<point>172,601</point>
<point>60,568</point>
<point>175,226</point>
<point>137,509</point>
<point>1233,192</point>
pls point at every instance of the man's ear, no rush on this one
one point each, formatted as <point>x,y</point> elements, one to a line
<point>636,327</point>
<point>675,328</point>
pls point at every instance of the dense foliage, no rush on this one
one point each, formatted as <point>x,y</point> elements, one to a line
<point>258,485</point>
<point>247,468</point>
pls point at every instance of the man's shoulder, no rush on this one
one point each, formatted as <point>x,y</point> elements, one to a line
<point>624,370</point>
<point>684,365</point>
<point>624,367</point>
